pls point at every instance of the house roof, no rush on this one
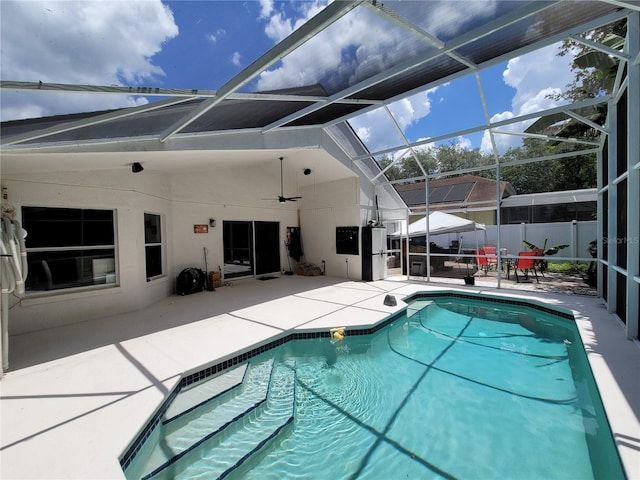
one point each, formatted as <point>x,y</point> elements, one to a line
<point>463,191</point>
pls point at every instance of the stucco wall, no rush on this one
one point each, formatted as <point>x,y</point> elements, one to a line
<point>182,200</point>
<point>226,194</point>
<point>325,207</point>
<point>131,196</point>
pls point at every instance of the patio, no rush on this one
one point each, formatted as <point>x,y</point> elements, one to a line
<point>67,384</point>
<point>453,273</point>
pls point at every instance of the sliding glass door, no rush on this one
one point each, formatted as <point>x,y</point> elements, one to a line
<point>250,248</point>
<point>267,247</point>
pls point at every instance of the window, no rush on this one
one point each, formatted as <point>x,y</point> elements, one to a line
<point>69,247</point>
<point>153,245</point>
<point>515,215</point>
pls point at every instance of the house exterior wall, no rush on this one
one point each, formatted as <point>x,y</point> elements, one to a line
<point>182,200</point>
<point>323,208</point>
<point>486,217</point>
<point>130,196</point>
<point>231,194</point>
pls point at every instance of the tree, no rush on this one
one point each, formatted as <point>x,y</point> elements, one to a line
<point>441,158</point>
<point>569,173</point>
<point>594,71</point>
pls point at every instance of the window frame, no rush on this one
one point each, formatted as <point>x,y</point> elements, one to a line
<point>81,282</point>
<point>154,244</point>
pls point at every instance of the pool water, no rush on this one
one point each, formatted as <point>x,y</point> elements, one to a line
<point>453,389</point>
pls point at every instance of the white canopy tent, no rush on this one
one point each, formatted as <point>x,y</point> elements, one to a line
<point>439,223</point>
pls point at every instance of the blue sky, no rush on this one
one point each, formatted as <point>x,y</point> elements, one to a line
<point>203,44</point>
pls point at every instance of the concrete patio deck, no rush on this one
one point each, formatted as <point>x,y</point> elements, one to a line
<point>75,396</point>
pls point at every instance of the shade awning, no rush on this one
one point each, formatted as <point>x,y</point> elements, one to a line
<point>439,223</point>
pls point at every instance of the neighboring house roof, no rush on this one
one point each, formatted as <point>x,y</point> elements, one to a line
<point>552,198</point>
<point>465,191</point>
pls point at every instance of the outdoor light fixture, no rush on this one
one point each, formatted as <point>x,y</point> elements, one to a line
<point>307,171</point>
<point>136,167</point>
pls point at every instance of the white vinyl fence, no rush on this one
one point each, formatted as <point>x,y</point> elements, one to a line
<point>575,234</point>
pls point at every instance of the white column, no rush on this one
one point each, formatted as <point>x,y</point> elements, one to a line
<point>633,179</point>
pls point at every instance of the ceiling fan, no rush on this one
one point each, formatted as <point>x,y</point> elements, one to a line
<point>282,198</point>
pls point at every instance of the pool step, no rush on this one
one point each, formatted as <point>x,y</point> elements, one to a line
<point>227,451</point>
<point>417,305</point>
<point>199,393</point>
<point>188,428</point>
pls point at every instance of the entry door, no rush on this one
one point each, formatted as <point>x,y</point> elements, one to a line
<point>267,247</point>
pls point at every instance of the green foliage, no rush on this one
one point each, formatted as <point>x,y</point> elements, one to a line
<point>594,71</point>
<point>571,173</point>
<point>568,268</point>
<point>446,158</point>
<point>547,251</point>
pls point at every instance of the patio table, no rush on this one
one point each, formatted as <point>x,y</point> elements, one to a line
<point>509,261</point>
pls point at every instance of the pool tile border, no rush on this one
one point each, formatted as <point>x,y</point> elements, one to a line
<point>132,451</point>
<point>504,301</point>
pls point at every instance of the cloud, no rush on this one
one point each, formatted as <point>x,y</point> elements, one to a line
<point>463,143</point>
<point>535,76</point>
<point>96,43</point>
<point>266,7</point>
<point>235,58</point>
<point>378,131</point>
<point>342,55</point>
<point>213,37</point>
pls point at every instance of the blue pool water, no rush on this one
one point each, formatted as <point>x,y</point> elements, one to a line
<point>453,389</point>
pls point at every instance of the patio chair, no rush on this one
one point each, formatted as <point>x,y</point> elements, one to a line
<point>482,261</point>
<point>525,263</point>
<point>539,263</point>
<point>492,256</point>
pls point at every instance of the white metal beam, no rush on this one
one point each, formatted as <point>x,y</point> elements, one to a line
<point>502,22</point>
<point>326,17</point>
<point>540,136</point>
<point>586,121</point>
<point>599,47</point>
<point>623,4</point>
<point>502,123</point>
<point>105,89</point>
<point>612,17</point>
<point>633,180</point>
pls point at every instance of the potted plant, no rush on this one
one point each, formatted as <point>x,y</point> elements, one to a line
<point>469,279</point>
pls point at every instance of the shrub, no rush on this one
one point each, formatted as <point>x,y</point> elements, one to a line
<point>568,268</point>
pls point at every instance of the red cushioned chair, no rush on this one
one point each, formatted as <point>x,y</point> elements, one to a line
<point>482,261</point>
<point>526,263</point>
<point>491,257</point>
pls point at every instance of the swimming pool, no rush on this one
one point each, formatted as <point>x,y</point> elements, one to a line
<point>454,388</point>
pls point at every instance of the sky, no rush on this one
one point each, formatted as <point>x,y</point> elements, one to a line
<point>203,44</point>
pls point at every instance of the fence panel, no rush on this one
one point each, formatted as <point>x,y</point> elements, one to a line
<point>577,235</point>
